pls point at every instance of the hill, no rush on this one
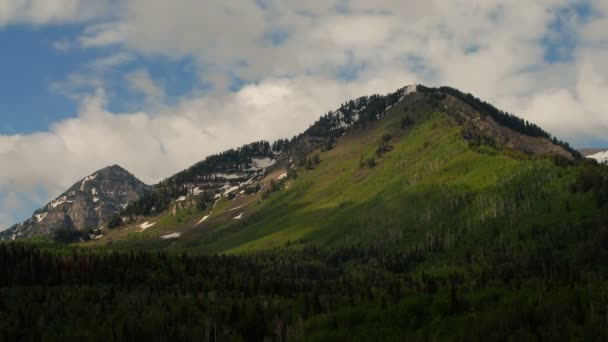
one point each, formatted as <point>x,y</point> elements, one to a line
<point>379,170</point>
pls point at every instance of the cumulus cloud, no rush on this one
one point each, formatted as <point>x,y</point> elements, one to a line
<point>50,11</point>
<point>298,60</point>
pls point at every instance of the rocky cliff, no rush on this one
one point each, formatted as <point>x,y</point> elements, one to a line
<point>87,204</point>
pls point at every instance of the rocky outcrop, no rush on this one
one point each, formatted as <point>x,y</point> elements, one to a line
<point>502,136</point>
<point>87,204</point>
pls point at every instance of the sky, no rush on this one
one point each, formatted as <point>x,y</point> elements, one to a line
<point>156,85</point>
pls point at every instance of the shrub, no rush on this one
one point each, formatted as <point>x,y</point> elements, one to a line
<point>115,221</point>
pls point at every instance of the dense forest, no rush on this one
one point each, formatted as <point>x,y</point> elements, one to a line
<point>306,292</point>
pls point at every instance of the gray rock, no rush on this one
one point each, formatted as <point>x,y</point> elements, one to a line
<point>87,204</point>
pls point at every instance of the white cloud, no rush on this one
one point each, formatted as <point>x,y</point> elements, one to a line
<point>50,11</point>
<point>140,81</point>
<point>292,52</point>
<point>104,34</point>
<point>111,60</point>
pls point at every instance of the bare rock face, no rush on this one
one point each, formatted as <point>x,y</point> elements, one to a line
<point>87,204</point>
<point>501,135</point>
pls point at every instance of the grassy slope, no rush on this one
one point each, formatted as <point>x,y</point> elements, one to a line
<point>430,190</point>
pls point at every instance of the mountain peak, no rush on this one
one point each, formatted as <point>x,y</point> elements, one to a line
<point>111,170</point>
<point>114,167</point>
<point>86,204</point>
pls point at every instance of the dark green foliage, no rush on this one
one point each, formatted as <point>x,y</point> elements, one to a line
<point>292,173</point>
<point>68,235</point>
<point>371,162</point>
<point>328,144</point>
<point>385,145</point>
<point>252,189</point>
<point>593,178</point>
<point>273,186</point>
<point>280,145</point>
<point>309,163</point>
<point>203,200</point>
<point>386,138</point>
<point>376,105</point>
<point>407,122</point>
<point>538,289</point>
<point>115,221</point>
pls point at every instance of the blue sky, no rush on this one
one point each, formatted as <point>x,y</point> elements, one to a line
<point>28,67</point>
<point>31,103</point>
<point>155,85</point>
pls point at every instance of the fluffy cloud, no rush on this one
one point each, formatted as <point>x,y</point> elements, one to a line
<point>299,60</point>
<point>50,11</point>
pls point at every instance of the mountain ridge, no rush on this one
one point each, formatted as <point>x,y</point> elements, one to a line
<point>212,206</point>
<point>221,175</point>
<point>324,132</point>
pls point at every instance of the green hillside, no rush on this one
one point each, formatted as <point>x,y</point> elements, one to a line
<point>431,221</point>
<point>428,188</point>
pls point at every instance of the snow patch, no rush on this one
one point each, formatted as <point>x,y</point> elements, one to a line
<point>230,189</point>
<point>84,181</point>
<point>227,175</point>
<point>239,217</point>
<point>237,208</point>
<point>171,236</point>
<point>94,191</point>
<point>181,199</point>
<point>601,157</point>
<point>203,219</point>
<point>262,163</point>
<point>410,89</point>
<point>54,204</point>
<point>145,226</point>
<point>40,217</point>
<point>282,176</point>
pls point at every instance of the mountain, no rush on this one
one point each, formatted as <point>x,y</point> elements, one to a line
<point>86,204</point>
<point>424,214</point>
<point>599,154</point>
<point>376,168</point>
